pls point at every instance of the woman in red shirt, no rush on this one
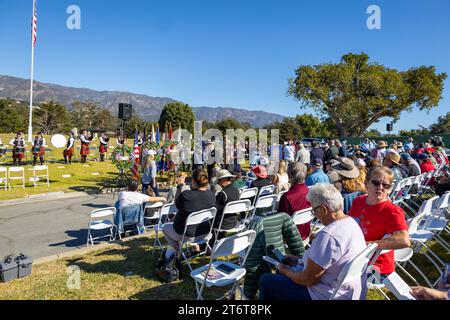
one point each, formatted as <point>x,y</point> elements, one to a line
<point>425,163</point>
<point>381,221</point>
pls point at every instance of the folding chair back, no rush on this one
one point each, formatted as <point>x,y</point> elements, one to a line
<point>266,190</point>
<point>37,176</point>
<point>19,174</point>
<point>355,269</point>
<point>249,193</point>
<point>425,209</point>
<point>265,204</point>
<point>167,209</point>
<point>235,208</point>
<point>97,223</point>
<point>4,177</point>
<point>301,217</point>
<point>234,244</point>
<point>279,195</point>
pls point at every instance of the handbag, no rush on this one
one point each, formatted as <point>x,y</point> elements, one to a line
<point>170,269</point>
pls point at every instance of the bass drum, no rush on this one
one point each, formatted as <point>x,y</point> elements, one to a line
<point>58,141</point>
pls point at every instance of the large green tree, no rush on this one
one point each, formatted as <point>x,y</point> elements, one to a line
<point>13,116</point>
<point>355,93</point>
<point>51,117</point>
<point>176,114</point>
<point>442,126</point>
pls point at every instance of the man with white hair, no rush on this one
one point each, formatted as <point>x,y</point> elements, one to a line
<point>316,277</point>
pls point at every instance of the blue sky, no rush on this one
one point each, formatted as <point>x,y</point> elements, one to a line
<point>230,53</point>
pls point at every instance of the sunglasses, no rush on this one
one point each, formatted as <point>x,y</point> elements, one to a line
<point>377,184</point>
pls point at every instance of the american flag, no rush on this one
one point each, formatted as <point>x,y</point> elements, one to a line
<point>34,25</point>
<point>135,158</point>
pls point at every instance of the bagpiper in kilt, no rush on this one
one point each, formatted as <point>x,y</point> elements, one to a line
<point>38,148</point>
<point>18,151</point>
<point>104,139</point>
<point>68,152</point>
<point>85,141</point>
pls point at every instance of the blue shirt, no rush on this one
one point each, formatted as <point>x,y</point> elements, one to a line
<point>317,177</point>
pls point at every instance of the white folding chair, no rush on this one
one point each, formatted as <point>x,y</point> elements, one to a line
<point>249,194</point>
<point>97,222</point>
<point>354,269</point>
<point>301,217</point>
<point>266,190</point>
<point>264,205</point>
<point>241,242</point>
<point>19,174</point>
<point>4,177</point>
<point>233,208</point>
<point>162,214</point>
<point>195,219</point>
<point>155,216</point>
<point>36,177</point>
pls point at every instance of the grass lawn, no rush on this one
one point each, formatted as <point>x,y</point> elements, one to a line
<point>105,274</point>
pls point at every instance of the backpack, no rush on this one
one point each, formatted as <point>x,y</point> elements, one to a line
<point>170,269</point>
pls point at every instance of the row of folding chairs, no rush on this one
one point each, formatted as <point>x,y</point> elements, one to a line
<point>8,175</point>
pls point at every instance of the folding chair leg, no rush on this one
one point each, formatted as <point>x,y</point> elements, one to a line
<point>421,273</point>
<point>407,273</point>
<point>434,255</point>
<point>382,293</point>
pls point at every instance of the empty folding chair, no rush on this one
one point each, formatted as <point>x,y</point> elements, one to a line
<point>402,257</point>
<point>354,269</point>
<point>4,177</point>
<point>98,222</point>
<point>224,273</point>
<point>194,220</point>
<point>301,217</point>
<point>16,173</point>
<point>164,212</point>
<point>37,176</point>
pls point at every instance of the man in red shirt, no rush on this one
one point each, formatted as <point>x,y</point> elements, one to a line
<point>295,199</point>
<point>425,163</point>
<point>380,220</point>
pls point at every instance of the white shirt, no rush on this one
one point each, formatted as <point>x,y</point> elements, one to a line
<point>127,198</point>
<point>71,140</point>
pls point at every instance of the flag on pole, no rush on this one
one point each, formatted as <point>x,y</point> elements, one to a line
<point>153,134</point>
<point>170,132</point>
<point>135,157</point>
<point>157,134</point>
<point>34,25</point>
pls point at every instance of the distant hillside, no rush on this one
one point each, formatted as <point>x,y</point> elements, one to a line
<point>148,108</point>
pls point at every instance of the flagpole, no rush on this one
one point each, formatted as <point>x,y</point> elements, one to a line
<point>30,121</point>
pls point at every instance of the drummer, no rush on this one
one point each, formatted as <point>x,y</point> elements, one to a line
<point>68,152</point>
<point>104,139</point>
<point>38,148</point>
<point>18,144</point>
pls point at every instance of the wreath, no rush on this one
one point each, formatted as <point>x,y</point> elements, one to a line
<point>162,151</point>
<point>121,157</point>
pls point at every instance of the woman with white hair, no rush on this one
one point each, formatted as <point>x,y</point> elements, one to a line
<point>316,277</point>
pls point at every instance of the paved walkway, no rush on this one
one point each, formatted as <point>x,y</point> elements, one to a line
<point>44,228</point>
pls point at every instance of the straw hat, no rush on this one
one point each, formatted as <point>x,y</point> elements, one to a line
<point>222,174</point>
<point>346,168</point>
<point>382,144</point>
<point>260,172</point>
<point>394,157</point>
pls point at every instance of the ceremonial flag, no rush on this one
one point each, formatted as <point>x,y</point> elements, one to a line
<point>135,157</point>
<point>153,133</point>
<point>170,133</point>
<point>34,25</point>
<point>157,134</point>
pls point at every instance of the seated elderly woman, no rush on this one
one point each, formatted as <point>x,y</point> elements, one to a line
<point>316,277</point>
<point>380,220</point>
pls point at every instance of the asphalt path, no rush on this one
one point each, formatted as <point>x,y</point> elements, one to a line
<point>45,228</point>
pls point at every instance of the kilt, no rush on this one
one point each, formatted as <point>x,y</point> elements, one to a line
<point>84,149</point>
<point>18,153</point>
<point>103,148</point>
<point>69,152</point>
<point>38,151</point>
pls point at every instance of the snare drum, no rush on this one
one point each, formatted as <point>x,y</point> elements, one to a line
<point>19,152</point>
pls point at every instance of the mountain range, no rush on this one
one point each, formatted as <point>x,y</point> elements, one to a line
<point>146,107</point>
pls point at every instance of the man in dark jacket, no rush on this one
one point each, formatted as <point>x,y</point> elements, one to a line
<point>316,152</point>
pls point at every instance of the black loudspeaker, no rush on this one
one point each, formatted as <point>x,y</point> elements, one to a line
<point>389,127</point>
<point>125,111</point>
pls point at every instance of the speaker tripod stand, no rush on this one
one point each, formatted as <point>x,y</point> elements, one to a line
<point>116,185</point>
